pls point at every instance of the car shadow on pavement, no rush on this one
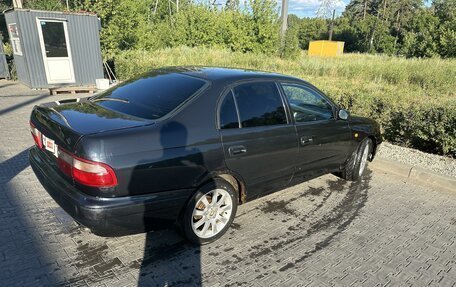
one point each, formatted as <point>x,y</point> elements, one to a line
<point>169,259</point>
<point>13,166</point>
<point>24,261</point>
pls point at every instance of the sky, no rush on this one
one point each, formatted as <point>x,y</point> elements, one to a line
<point>309,8</point>
<point>301,8</point>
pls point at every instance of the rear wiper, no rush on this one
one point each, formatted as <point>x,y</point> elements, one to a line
<point>111,99</point>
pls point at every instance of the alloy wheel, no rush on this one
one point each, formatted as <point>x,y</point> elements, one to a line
<point>212,212</point>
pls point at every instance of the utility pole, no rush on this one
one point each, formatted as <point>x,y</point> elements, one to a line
<point>170,5</point>
<point>17,4</point>
<point>284,16</point>
<point>384,11</point>
<point>331,29</point>
<point>326,7</point>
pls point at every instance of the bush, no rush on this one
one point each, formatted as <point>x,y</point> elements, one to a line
<point>414,100</point>
<point>429,126</point>
<point>200,26</point>
<point>290,47</point>
<point>132,25</point>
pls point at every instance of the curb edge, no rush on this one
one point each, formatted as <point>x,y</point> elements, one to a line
<point>415,174</point>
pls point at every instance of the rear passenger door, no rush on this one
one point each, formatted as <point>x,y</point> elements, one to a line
<point>259,141</point>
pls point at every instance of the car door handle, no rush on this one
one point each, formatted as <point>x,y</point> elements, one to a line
<point>237,150</point>
<point>306,140</point>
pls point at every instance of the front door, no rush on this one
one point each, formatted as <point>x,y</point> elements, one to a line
<point>56,51</point>
<point>259,143</point>
<point>324,140</point>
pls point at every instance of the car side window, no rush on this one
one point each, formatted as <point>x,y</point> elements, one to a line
<point>306,104</point>
<point>228,115</point>
<point>259,104</point>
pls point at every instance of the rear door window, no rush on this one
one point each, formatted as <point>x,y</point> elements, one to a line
<point>150,96</point>
<point>259,104</point>
<point>228,113</point>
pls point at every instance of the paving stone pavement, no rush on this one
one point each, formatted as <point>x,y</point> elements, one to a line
<point>326,232</point>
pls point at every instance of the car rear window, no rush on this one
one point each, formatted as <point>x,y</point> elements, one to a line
<point>150,96</point>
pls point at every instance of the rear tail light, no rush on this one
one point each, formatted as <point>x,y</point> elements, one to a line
<point>65,162</point>
<point>86,172</point>
<point>36,134</point>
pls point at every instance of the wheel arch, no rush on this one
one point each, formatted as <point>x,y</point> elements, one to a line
<point>237,184</point>
<point>233,179</point>
<point>374,146</point>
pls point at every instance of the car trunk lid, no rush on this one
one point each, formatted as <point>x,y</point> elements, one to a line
<point>64,123</point>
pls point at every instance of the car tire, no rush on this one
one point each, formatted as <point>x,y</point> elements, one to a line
<point>356,165</point>
<point>204,220</point>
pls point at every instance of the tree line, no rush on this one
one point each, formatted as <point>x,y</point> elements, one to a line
<point>394,27</point>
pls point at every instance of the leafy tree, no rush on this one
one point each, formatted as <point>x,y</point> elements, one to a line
<point>447,39</point>
<point>421,39</point>
<point>5,4</point>
<point>232,5</point>
<point>360,9</point>
<point>123,23</point>
<point>50,5</point>
<point>404,27</point>
<point>195,27</point>
<point>308,29</point>
<point>403,11</point>
<point>344,31</point>
<point>236,30</point>
<point>445,11</point>
<point>290,48</point>
<point>265,25</point>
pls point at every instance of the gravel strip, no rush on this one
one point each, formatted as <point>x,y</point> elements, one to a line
<point>440,164</point>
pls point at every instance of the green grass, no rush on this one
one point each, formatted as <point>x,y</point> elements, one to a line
<point>413,99</point>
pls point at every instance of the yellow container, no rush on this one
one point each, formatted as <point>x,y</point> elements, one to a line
<point>325,48</point>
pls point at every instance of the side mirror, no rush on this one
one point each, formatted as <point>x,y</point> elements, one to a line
<point>343,114</point>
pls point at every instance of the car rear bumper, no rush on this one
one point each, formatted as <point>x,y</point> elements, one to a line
<point>109,216</point>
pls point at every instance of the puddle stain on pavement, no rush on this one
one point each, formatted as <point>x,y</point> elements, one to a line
<point>331,224</point>
<point>340,217</point>
<point>278,206</point>
<point>93,264</point>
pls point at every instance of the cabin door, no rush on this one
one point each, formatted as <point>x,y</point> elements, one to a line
<point>4,72</point>
<point>56,51</point>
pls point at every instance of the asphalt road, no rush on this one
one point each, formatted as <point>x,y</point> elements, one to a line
<point>325,232</point>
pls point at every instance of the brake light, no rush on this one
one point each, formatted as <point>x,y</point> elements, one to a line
<point>36,134</point>
<point>86,172</point>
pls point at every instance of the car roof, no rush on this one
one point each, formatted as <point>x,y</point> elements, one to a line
<point>219,74</point>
